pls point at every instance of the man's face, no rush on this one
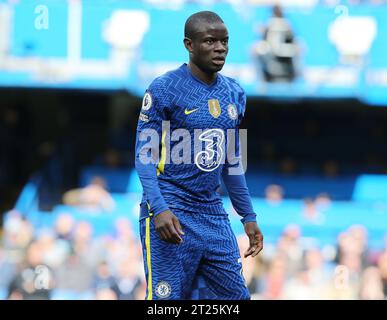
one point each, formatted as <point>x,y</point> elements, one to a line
<point>209,48</point>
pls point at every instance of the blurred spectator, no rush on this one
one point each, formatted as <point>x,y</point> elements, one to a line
<point>275,279</point>
<point>94,196</point>
<point>299,288</point>
<point>352,248</point>
<point>7,269</point>
<point>288,165</point>
<point>34,280</point>
<point>330,168</point>
<point>274,194</point>
<point>91,250</point>
<point>112,159</point>
<point>74,275</point>
<point>105,294</point>
<point>278,50</point>
<point>311,213</point>
<point>64,226</point>
<point>339,287</point>
<point>18,233</point>
<point>359,237</point>
<point>103,279</point>
<point>129,278</point>
<point>382,264</point>
<point>317,271</point>
<point>323,202</point>
<point>289,246</point>
<point>124,230</point>
<point>140,291</point>
<point>55,251</point>
<point>371,287</point>
<point>350,258</point>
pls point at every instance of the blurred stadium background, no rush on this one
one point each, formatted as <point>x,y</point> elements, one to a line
<point>72,76</point>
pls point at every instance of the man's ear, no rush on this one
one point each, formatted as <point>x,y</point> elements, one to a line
<point>188,44</point>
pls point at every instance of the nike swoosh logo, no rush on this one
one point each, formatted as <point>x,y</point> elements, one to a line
<point>187,112</point>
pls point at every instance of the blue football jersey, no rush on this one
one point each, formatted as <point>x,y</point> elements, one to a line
<point>192,120</point>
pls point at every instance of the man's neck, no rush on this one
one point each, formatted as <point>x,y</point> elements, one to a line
<point>207,78</point>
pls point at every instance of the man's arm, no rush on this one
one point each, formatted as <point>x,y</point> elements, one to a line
<point>148,137</point>
<point>149,131</point>
<point>241,201</point>
<point>235,182</point>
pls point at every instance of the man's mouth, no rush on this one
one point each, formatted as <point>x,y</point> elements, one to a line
<point>218,60</point>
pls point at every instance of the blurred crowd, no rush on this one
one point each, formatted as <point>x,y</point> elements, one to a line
<point>68,262</point>
<point>292,269</point>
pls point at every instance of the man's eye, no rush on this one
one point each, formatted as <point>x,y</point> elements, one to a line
<point>209,41</point>
<point>225,42</point>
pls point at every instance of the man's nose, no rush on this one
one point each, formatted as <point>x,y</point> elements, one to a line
<point>220,47</point>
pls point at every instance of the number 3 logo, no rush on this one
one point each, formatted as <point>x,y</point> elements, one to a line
<point>210,158</point>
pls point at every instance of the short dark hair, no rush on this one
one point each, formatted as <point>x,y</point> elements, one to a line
<point>193,22</point>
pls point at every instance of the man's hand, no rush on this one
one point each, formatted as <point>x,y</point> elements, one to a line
<point>168,227</point>
<point>255,238</point>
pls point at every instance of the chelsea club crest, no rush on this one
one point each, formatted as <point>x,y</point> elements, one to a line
<point>232,111</point>
<point>163,290</point>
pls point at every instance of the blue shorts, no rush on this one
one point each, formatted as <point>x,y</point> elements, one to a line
<point>207,265</point>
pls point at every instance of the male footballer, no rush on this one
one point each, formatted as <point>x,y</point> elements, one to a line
<point>185,231</point>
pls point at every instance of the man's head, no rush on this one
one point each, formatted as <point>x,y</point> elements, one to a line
<point>206,39</point>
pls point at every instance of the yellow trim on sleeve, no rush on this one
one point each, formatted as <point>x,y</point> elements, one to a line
<point>149,208</point>
<point>163,158</point>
